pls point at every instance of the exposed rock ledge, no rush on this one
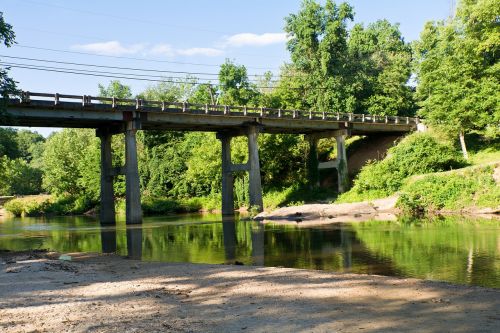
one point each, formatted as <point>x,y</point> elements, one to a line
<point>381,209</point>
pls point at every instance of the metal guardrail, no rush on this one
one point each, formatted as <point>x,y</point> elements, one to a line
<point>228,110</point>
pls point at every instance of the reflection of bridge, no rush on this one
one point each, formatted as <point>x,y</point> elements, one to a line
<point>112,116</point>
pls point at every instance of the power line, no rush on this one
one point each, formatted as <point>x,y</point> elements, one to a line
<point>123,75</point>
<point>132,58</point>
<point>117,67</point>
<point>114,73</point>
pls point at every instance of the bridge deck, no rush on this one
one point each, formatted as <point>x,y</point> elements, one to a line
<point>54,110</point>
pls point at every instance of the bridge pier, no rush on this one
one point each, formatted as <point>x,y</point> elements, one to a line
<point>133,210</point>
<point>312,166</point>
<point>107,210</point>
<point>340,163</point>
<point>252,167</point>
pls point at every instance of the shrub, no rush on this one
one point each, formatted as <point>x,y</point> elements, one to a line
<point>450,191</point>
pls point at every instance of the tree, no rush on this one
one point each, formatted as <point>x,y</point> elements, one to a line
<point>319,52</point>
<point>115,89</point>
<point>234,86</point>
<point>71,163</point>
<point>381,63</point>
<point>458,72</point>
<point>7,84</point>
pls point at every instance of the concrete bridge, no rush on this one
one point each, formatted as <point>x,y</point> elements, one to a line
<point>110,116</point>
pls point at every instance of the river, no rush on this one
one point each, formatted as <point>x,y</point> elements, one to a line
<point>453,249</point>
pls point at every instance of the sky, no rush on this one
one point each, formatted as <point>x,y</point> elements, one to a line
<point>188,36</point>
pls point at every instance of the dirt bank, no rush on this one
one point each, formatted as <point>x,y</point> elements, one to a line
<point>110,294</point>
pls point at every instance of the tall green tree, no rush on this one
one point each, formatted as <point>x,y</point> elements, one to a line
<point>234,86</point>
<point>459,73</point>
<point>381,64</point>
<point>7,84</point>
<point>319,52</point>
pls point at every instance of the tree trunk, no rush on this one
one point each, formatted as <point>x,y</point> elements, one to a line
<point>462,144</point>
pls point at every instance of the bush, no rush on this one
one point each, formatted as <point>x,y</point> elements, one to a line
<point>450,191</point>
<point>28,206</point>
<point>46,205</point>
<point>418,153</point>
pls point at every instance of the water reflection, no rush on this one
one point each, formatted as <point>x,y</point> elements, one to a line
<point>457,250</point>
<point>108,238</point>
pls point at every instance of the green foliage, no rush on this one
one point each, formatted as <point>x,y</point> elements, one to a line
<point>336,69</point>
<point>458,71</point>
<point>115,89</point>
<point>7,84</point>
<point>235,88</point>
<point>451,191</point>
<point>71,163</point>
<point>17,177</point>
<point>46,205</point>
<point>418,153</point>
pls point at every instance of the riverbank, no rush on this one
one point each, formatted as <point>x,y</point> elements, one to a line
<point>107,293</point>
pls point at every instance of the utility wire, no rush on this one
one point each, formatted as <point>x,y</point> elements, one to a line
<point>119,73</point>
<point>124,75</point>
<point>126,68</point>
<point>132,58</point>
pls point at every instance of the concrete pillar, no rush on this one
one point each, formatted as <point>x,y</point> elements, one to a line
<point>254,169</point>
<point>107,209</point>
<point>133,191</point>
<point>342,172</point>
<point>227,176</point>
<point>312,162</point>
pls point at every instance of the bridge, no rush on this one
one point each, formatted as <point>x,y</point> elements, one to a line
<point>110,116</point>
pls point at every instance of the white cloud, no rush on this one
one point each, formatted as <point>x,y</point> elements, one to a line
<point>113,48</point>
<point>205,51</point>
<point>250,39</point>
<point>162,49</point>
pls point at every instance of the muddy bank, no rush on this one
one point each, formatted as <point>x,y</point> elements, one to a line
<point>381,209</point>
<point>110,294</point>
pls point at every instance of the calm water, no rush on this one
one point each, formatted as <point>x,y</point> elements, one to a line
<point>450,249</point>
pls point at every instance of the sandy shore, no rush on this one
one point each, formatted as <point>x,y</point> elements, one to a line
<point>98,293</point>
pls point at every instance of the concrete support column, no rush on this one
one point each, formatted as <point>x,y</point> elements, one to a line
<point>133,190</point>
<point>107,209</point>
<point>254,169</point>
<point>312,162</point>
<point>342,172</point>
<point>227,176</point>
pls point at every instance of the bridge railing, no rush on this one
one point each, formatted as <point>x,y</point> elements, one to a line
<point>210,109</point>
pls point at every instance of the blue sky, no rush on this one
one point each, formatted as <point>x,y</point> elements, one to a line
<point>188,35</point>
